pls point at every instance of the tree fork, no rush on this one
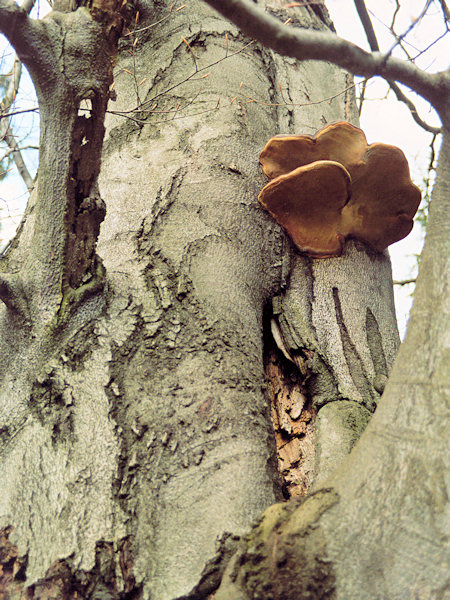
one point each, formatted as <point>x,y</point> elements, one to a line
<point>70,57</point>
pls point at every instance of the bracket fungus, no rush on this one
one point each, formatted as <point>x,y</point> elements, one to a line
<point>335,186</point>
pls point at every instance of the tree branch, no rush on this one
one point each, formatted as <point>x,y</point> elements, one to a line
<point>28,38</point>
<point>366,22</point>
<point>412,109</point>
<point>402,36</point>
<point>18,158</point>
<point>405,281</point>
<point>445,10</point>
<point>14,24</point>
<point>314,45</point>
<point>6,133</point>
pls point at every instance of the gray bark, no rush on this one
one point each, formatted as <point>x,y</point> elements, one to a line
<point>410,432</point>
<point>135,428</point>
<point>376,527</point>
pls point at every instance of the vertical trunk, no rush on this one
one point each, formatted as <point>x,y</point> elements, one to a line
<point>403,532</point>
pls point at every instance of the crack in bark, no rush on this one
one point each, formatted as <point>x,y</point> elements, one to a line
<point>352,357</point>
<point>375,344</point>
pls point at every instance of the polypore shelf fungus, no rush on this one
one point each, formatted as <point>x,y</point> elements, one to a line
<point>335,186</point>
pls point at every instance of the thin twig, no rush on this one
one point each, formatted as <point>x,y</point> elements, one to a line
<point>438,39</point>
<point>11,150</point>
<point>362,94</point>
<point>394,16</point>
<point>374,46</point>
<point>18,112</point>
<point>405,281</point>
<point>409,29</point>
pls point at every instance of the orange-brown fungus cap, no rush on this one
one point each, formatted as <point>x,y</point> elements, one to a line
<point>307,203</point>
<point>341,142</point>
<point>384,199</point>
<point>334,186</point>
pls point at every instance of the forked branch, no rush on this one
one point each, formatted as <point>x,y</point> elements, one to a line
<point>374,46</point>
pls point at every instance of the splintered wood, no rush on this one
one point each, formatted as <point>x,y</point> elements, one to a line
<point>294,424</point>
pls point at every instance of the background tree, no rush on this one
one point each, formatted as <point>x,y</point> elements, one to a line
<point>135,421</point>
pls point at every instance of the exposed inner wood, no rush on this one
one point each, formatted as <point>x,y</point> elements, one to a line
<point>294,424</point>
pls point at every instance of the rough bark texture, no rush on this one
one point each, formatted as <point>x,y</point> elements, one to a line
<point>135,436</point>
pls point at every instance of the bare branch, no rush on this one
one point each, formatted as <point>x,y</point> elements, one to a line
<point>373,43</point>
<point>390,28</point>
<point>18,159</point>
<point>367,24</point>
<point>431,44</point>
<point>14,24</point>
<point>394,16</point>
<point>316,45</point>
<point>445,10</point>
<point>12,113</point>
<point>362,95</point>
<point>405,281</point>
<point>401,37</point>
<point>413,110</point>
<point>6,133</point>
<point>22,148</point>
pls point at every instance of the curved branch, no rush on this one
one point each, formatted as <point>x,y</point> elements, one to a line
<point>401,97</point>
<point>15,24</point>
<point>314,45</point>
<point>28,38</point>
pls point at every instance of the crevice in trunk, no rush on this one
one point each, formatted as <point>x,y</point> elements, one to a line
<point>293,417</point>
<point>111,576</point>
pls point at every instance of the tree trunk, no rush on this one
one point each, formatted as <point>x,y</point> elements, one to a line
<point>376,528</point>
<point>136,440</point>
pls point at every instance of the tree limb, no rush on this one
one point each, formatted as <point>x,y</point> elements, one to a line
<point>445,10</point>
<point>366,22</point>
<point>18,158</point>
<point>314,45</point>
<point>27,36</point>
<point>6,133</point>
